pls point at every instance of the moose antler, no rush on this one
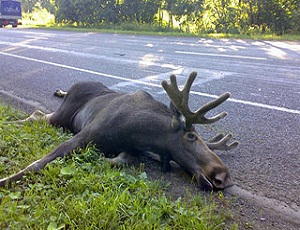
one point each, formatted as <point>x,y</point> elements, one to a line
<point>180,99</point>
<point>220,142</point>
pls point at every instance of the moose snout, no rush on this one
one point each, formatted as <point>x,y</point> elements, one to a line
<point>216,181</point>
<point>222,181</point>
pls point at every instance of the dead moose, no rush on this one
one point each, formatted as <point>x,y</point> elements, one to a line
<point>128,124</point>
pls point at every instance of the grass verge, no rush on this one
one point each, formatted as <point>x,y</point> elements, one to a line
<point>84,192</point>
<point>136,29</point>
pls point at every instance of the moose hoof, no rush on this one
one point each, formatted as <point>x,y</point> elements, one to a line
<point>59,93</point>
<point>121,159</point>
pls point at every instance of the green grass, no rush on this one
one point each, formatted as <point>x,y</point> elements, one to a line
<point>144,29</point>
<point>84,192</point>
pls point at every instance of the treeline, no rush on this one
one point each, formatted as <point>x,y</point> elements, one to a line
<point>196,16</point>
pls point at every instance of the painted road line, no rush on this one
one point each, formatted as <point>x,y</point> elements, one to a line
<point>255,104</point>
<point>220,55</point>
<point>146,61</point>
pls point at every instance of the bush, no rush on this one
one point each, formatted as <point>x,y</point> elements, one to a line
<point>39,16</point>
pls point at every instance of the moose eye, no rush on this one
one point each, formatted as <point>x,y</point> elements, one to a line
<point>191,137</point>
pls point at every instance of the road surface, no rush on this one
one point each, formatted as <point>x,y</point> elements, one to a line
<point>263,77</point>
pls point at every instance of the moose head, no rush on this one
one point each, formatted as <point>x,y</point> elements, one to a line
<point>208,169</point>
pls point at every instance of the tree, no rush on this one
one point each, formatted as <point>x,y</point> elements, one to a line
<point>277,15</point>
<point>222,16</point>
<point>141,11</point>
<point>228,16</point>
<point>28,5</point>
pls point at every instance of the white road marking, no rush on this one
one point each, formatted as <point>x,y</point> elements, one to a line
<point>220,55</point>
<point>255,104</point>
<point>148,60</point>
<point>78,69</point>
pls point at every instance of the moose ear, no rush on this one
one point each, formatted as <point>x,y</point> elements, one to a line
<point>178,121</point>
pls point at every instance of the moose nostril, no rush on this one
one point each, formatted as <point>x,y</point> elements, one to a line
<point>218,182</point>
<point>220,179</point>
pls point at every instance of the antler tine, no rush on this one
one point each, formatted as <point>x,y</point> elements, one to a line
<point>199,116</point>
<point>173,90</point>
<point>179,97</point>
<point>188,84</point>
<point>220,142</point>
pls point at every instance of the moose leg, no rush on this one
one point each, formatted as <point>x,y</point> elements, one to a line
<point>121,159</point>
<point>37,115</point>
<point>157,157</point>
<point>62,150</point>
<point>126,158</point>
<point>165,163</point>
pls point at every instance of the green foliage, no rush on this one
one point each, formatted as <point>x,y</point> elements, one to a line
<point>29,5</point>
<point>91,12</point>
<point>83,191</point>
<point>192,16</point>
<point>38,16</point>
<point>137,27</point>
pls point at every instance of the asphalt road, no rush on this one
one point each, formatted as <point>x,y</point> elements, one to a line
<point>263,77</point>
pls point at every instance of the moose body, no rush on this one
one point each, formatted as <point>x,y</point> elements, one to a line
<point>128,124</point>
